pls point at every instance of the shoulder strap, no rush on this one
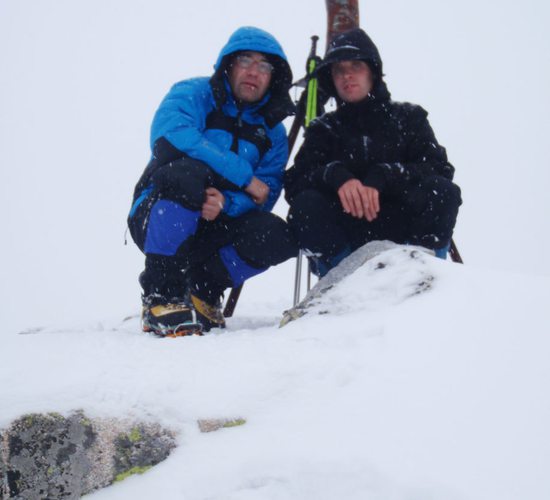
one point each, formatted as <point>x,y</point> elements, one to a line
<point>255,134</point>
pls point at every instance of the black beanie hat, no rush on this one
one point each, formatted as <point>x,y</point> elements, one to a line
<point>349,46</point>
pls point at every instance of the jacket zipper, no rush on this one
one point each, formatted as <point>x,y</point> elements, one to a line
<point>236,130</point>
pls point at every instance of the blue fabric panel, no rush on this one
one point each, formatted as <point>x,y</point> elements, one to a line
<point>170,225</point>
<point>320,267</point>
<point>238,269</point>
<point>441,253</point>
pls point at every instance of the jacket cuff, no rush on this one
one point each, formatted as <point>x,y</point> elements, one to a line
<point>335,174</point>
<point>375,178</point>
<point>247,181</point>
<point>226,204</point>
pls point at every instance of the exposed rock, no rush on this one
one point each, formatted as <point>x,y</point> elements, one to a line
<point>142,447</point>
<point>49,456</point>
<point>214,424</point>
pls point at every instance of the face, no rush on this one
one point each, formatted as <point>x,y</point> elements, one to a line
<point>353,80</point>
<point>250,76</point>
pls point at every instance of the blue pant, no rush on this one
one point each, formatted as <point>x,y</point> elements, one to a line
<point>185,252</point>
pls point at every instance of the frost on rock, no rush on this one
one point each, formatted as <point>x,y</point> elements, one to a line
<point>380,273</point>
<point>52,456</point>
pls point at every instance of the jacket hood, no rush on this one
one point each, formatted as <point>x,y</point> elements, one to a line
<point>348,46</point>
<point>257,40</point>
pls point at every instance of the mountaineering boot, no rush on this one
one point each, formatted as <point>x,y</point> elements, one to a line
<point>169,318</point>
<point>206,286</point>
<point>208,315</point>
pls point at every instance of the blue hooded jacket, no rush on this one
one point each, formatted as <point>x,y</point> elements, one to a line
<point>198,118</point>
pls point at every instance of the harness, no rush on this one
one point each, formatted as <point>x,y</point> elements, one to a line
<point>239,129</point>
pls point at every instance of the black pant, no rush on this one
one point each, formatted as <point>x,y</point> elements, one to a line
<point>425,214</point>
<point>212,255</point>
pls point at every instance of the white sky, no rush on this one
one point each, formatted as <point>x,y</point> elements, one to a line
<point>80,81</point>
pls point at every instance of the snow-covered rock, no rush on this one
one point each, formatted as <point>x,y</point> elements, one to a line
<point>52,456</point>
<point>385,272</point>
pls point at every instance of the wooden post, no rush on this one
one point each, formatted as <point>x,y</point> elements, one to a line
<point>342,15</point>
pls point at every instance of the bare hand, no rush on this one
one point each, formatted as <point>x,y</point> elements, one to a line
<point>359,200</point>
<point>258,191</point>
<point>213,204</point>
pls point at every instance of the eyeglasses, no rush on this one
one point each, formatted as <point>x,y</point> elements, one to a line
<point>245,62</point>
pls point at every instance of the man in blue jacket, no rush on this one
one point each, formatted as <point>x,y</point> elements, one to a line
<point>201,210</point>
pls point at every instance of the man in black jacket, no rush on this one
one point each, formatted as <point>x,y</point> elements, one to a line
<point>371,170</point>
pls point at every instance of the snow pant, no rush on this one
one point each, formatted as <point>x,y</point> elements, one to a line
<point>185,253</point>
<point>425,215</point>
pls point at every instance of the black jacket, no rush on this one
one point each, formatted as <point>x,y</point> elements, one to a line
<point>383,143</point>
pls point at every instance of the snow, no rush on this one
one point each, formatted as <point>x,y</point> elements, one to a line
<point>439,395</point>
<point>397,395</point>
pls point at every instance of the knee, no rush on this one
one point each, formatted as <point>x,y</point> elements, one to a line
<point>274,231</point>
<point>307,200</point>
<point>304,205</point>
<point>434,194</point>
<point>443,191</point>
<point>265,240</point>
<point>183,181</point>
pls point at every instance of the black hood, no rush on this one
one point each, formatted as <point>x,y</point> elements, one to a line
<point>349,46</point>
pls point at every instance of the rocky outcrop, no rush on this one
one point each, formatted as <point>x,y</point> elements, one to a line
<point>49,456</point>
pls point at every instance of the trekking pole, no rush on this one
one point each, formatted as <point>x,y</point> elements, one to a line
<point>231,303</point>
<point>300,119</point>
<point>310,114</point>
<point>297,123</point>
<point>455,255</point>
<point>342,15</point>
